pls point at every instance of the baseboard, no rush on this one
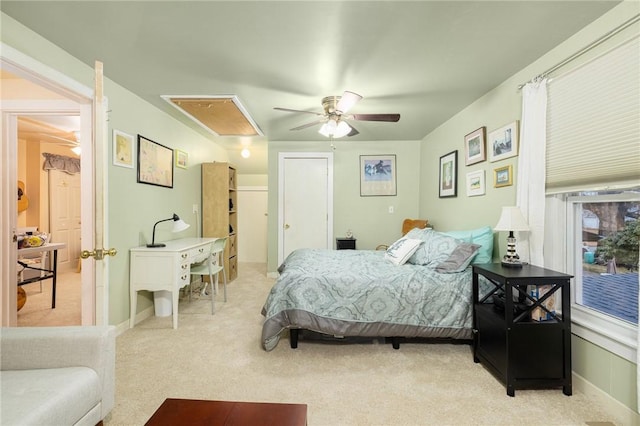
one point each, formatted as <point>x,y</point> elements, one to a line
<point>124,326</point>
<point>274,274</point>
<point>622,413</point>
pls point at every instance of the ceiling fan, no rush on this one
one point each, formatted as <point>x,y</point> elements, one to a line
<point>71,140</point>
<point>334,119</point>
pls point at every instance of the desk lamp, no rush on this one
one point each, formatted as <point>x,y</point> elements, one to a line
<point>511,220</point>
<point>178,225</point>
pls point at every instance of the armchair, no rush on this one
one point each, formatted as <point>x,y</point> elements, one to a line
<point>57,375</point>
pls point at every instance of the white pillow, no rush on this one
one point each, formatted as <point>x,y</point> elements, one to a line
<point>400,251</point>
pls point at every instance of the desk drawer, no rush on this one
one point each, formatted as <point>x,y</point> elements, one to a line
<point>199,254</point>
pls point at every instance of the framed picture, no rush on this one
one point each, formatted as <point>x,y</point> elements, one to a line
<point>377,175</point>
<point>503,143</point>
<point>503,176</point>
<point>449,175</point>
<point>475,183</point>
<point>181,159</point>
<point>474,146</point>
<point>122,149</point>
<point>155,163</point>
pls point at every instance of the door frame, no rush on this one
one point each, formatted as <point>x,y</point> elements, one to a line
<point>282,157</point>
<point>79,101</point>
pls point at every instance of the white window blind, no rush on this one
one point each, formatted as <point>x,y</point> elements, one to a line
<point>593,123</point>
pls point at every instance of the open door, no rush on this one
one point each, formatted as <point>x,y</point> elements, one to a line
<point>74,99</point>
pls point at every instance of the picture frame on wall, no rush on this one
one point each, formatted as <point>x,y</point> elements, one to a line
<point>377,175</point>
<point>448,177</point>
<point>122,149</point>
<point>475,183</point>
<point>155,163</point>
<point>475,146</point>
<point>503,176</point>
<point>181,159</point>
<point>503,142</point>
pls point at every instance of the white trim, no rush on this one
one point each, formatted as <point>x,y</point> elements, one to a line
<point>612,334</point>
<point>606,332</point>
<point>26,67</point>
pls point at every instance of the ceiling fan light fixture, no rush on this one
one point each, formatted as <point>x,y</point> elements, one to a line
<point>336,129</point>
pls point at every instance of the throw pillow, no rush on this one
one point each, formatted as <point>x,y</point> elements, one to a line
<point>400,251</point>
<point>482,236</point>
<point>459,259</point>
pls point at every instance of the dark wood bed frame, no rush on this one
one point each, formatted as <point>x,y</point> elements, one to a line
<point>294,333</point>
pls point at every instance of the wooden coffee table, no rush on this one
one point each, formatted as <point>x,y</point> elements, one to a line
<point>211,413</point>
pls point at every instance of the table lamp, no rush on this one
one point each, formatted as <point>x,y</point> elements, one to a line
<point>511,220</point>
<point>178,225</point>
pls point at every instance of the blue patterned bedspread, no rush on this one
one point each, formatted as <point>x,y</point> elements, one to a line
<point>359,293</point>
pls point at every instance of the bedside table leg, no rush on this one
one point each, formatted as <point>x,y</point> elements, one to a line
<point>567,390</point>
<point>511,391</point>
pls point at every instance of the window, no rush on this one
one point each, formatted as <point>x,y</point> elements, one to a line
<point>604,259</point>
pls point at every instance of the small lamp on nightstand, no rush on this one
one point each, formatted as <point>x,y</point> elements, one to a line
<point>178,225</point>
<point>511,220</point>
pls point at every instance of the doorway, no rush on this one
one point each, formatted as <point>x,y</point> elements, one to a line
<point>54,95</point>
<point>305,202</point>
<point>53,195</point>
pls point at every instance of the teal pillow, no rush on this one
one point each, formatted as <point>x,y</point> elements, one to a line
<point>481,236</point>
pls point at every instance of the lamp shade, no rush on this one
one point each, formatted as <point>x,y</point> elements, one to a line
<point>179,225</point>
<point>511,219</point>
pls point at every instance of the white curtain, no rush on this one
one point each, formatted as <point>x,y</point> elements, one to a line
<point>530,195</point>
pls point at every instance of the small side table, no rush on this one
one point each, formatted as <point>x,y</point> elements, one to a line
<point>524,353</point>
<point>345,243</point>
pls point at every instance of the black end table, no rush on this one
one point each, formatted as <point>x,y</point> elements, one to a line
<point>345,243</point>
<point>519,350</point>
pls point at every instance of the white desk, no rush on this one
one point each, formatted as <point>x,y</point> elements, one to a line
<point>48,273</point>
<point>165,268</point>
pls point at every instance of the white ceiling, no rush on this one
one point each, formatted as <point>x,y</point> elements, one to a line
<point>426,60</point>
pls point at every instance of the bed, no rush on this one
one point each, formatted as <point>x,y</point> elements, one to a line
<point>366,293</point>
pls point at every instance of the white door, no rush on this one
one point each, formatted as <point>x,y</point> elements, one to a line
<point>306,202</point>
<point>252,223</point>
<point>64,216</point>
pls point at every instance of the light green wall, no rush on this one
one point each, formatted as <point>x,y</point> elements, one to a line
<point>367,217</point>
<point>133,207</point>
<point>614,375</point>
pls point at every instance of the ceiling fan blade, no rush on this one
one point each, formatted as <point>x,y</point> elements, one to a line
<point>375,117</point>
<point>313,123</point>
<point>353,131</point>
<point>298,110</point>
<point>67,141</point>
<point>347,101</point>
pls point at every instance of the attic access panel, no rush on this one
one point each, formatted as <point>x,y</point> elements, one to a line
<point>222,115</point>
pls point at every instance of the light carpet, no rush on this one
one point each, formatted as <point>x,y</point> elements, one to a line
<point>219,357</point>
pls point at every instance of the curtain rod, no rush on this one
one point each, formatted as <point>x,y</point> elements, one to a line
<point>585,49</point>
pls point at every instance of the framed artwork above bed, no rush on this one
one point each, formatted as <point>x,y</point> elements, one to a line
<point>448,180</point>
<point>377,175</point>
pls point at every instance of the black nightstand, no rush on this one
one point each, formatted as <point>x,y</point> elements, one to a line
<point>345,243</point>
<point>523,352</point>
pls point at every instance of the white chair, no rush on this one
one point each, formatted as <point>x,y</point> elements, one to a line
<point>212,266</point>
